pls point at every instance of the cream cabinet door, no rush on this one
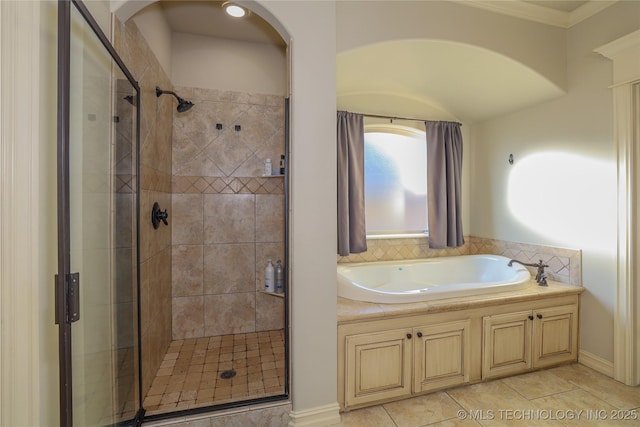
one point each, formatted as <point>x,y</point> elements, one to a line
<point>506,344</point>
<point>555,335</point>
<point>378,366</point>
<point>441,355</point>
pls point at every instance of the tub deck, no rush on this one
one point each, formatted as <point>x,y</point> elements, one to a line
<point>351,310</point>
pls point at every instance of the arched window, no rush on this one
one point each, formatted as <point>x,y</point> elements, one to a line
<point>395,176</point>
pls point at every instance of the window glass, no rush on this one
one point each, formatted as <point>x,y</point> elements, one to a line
<point>395,176</point>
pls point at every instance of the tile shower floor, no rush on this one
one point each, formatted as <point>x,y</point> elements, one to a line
<point>192,371</point>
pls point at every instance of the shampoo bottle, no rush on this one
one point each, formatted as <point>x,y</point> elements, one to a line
<point>279,277</point>
<point>269,283</point>
<point>267,168</point>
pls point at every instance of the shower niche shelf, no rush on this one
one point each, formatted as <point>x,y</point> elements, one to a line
<point>272,176</point>
<point>274,294</point>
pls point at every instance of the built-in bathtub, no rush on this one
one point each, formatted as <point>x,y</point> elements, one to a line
<point>429,279</point>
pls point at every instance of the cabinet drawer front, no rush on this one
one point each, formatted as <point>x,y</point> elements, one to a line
<point>378,367</point>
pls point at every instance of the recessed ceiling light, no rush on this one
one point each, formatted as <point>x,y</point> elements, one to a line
<point>234,10</point>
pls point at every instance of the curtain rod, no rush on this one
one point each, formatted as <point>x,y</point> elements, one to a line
<point>392,118</point>
<point>378,116</point>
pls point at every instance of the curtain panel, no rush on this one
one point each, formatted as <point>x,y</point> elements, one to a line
<point>352,237</point>
<point>444,170</point>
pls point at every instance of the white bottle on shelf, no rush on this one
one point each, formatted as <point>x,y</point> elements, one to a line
<point>279,277</point>
<point>269,280</point>
<point>267,167</point>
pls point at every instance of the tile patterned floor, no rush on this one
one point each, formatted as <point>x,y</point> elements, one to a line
<point>569,395</point>
<point>190,373</point>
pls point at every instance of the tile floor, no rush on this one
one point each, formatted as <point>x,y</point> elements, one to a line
<point>190,373</point>
<point>569,395</point>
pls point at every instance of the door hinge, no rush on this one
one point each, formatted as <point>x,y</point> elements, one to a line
<point>67,298</point>
<point>73,297</point>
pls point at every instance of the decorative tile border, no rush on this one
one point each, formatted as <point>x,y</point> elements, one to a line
<point>227,185</point>
<point>565,265</point>
<point>125,184</point>
<point>398,249</point>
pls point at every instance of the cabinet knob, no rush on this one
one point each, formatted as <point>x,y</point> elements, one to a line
<point>419,334</point>
<point>408,336</point>
<point>539,316</point>
<point>531,317</point>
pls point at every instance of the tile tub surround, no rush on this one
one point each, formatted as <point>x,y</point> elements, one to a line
<point>565,265</point>
<point>155,185</point>
<point>228,218</point>
<point>563,390</point>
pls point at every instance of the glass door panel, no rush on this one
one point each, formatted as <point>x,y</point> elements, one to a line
<point>102,231</point>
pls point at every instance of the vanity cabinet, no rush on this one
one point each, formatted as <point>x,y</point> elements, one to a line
<point>530,339</point>
<point>395,363</point>
<point>396,351</point>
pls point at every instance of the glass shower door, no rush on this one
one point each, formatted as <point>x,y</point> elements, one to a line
<point>98,169</point>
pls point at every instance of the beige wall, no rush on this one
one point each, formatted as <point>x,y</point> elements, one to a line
<point>47,365</point>
<point>313,201</point>
<point>214,63</point>
<point>564,171</point>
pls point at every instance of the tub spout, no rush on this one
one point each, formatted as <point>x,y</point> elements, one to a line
<point>541,278</point>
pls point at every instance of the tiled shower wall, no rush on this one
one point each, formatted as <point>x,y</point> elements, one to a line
<point>228,219</point>
<point>565,265</point>
<point>155,185</point>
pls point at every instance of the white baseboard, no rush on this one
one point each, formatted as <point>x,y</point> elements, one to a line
<point>596,363</point>
<point>320,416</point>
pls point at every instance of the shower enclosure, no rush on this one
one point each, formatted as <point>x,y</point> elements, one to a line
<point>96,285</point>
<point>112,370</point>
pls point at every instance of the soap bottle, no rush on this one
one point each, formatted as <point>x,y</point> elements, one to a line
<point>279,277</point>
<point>269,284</point>
<point>282,164</point>
<point>267,167</point>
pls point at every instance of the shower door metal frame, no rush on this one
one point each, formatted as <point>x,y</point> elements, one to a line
<point>65,313</point>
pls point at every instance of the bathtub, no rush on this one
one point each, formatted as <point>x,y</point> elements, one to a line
<point>429,279</point>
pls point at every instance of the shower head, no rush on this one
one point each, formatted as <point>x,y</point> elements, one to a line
<point>183,104</point>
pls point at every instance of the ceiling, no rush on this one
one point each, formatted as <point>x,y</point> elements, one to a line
<point>561,5</point>
<point>208,18</point>
<point>466,84</point>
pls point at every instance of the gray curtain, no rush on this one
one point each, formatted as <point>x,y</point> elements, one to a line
<point>444,169</point>
<point>351,226</point>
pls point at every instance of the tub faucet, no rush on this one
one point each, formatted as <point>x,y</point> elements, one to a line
<point>541,278</point>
